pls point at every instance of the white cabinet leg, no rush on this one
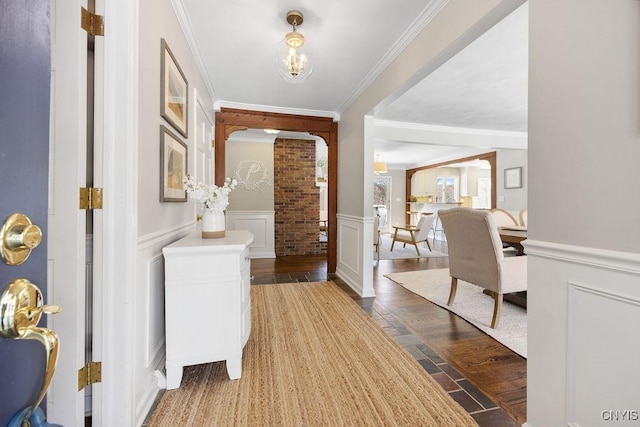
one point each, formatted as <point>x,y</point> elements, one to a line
<point>234,368</point>
<point>174,376</point>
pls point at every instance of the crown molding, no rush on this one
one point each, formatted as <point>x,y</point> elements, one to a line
<point>187,29</point>
<point>407,37</point>
<point>243,136</point>
<point>448,129</point>
<point>272,109</point>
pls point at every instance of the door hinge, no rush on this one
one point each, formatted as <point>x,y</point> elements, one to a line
<point>92,23</point>
<point>90,198</point>
<point>90,373</point>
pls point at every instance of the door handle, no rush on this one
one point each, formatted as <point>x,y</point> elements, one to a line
<point>21,308</point>
<point>18,236</point>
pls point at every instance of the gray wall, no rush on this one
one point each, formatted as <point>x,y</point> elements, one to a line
<point>157,22</point>
<point>243,199</point>
<point>511,199</point>
<point>584,129</point>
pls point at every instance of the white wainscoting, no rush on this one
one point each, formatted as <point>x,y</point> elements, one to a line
<point>354,263</point>
<point>583,308</point>
<point>149,301</point>
<point>261,224</point>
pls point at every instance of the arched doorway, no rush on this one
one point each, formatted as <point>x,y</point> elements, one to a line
<point>230,120</point>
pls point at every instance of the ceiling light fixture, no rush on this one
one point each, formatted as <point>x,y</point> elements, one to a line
<point>291,61</point>
<point>272,131</point>
<point>378,166</point>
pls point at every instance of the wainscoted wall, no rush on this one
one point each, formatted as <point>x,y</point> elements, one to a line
<point>149,339</point>
<point>355,265</point>
<point>296,198</point>
<point>583,341</point>
<point>261,224</point>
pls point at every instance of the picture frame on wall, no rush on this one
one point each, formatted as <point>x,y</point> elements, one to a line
<point>513,178</point>
<point>174,91</point>
<point>173,166</point>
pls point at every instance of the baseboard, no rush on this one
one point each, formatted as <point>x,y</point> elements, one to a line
<point>353,285</point>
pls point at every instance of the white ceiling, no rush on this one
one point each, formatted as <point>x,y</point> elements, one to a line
<point>350,42</point>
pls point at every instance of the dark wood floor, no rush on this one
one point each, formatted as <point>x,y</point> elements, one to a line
<point>477,361</point>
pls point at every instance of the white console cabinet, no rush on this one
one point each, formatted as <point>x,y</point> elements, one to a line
<point>207,302</point>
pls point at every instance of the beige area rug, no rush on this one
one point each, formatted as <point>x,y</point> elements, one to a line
<point>470,304</point>
<point>313,358</point>
<point>407,252</point>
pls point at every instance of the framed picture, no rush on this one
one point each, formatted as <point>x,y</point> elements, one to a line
<point>173,167</point>
<point>174,92</point>
<point>513,178</point>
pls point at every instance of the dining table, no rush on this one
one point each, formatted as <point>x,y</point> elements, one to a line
<point>513,236</point>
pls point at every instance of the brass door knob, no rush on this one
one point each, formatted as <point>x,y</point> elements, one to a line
<point>21,308</point>
<point>18,237</point>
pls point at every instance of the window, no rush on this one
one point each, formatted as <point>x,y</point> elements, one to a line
<point>448,189</point>
<point>382,198</point>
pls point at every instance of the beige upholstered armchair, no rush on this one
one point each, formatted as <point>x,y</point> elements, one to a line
<point>414,235</point>
<point>475,256</point>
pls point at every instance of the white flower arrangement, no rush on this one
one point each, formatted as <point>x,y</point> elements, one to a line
<point>210,196</point>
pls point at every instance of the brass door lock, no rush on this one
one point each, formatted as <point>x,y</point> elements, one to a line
<point>17,237</point>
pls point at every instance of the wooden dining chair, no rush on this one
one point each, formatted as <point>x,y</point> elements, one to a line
<point>475,256</point>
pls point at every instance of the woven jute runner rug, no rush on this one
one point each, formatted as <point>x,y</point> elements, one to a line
<point>314,358</point>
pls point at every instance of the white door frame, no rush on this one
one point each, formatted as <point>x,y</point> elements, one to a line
<point>115,228</point>
<point>66,235</point>
<point>120,212</point>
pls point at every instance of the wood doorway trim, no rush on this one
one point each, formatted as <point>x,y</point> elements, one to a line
<point>491,157</point>
<point>229,120</point>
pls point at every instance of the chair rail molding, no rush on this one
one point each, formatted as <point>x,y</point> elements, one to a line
<point>567,285</point>
<point>605,259</point>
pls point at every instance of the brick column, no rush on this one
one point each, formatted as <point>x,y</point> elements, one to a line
<point>296,198</point>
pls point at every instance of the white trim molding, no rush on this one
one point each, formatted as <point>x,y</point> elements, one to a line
<point>186,26</point>
<point>354,262</point>
<point>407,37</point>
<point>273,109</point>
<point>261,224</point>
<point>601,258</point>
<point>582,304</point>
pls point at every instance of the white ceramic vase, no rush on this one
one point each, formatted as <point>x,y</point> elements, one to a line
<point>213,224</point>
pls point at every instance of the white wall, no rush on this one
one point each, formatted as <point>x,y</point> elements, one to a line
<point>584,245</point>
<point>158,223</point>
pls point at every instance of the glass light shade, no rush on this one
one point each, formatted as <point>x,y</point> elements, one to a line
<point>292,63</point>
<point>272,131</point>
<point>379,167</point>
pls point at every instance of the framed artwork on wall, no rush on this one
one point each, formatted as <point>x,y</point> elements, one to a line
<point>174,91</point>
<point>513,178</point>
<point>173,167</point>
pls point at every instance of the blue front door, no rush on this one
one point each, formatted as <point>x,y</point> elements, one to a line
<point>25,50</point>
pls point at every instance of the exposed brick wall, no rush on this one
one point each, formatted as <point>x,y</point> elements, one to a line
<point>296,198</point>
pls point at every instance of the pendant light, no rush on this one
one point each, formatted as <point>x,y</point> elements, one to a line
<point>292,62</point>
<point>378,166</point>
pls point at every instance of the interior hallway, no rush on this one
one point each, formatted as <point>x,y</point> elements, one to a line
<point>483,376</point>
